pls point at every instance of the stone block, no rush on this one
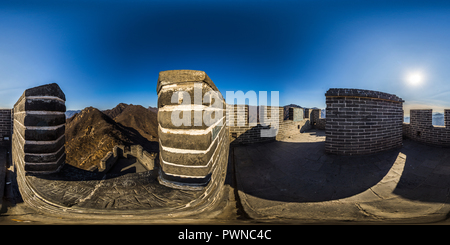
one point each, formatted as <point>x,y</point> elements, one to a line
<point>44,157</point>
<point>354,115</point>
<point>197,121</point>
<point>45,167</point>
<point>185,140</point>
<point>29,119</point>
<point>189,155</point>
<point>38,139</point>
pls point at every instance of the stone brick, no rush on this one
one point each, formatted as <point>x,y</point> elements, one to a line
<point>421,129</point>
<point>190,156</point>
<point>38,139</point>
<point>361,121</point>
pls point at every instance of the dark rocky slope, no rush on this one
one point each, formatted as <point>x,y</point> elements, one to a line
<point>91,134</point>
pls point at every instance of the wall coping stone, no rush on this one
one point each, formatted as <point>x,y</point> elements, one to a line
<point>51,89</point>
<point>183,76</point>
<point>349,92</point>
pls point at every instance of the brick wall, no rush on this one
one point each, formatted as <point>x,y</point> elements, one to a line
<point>421,129</point>
<point>299,122</point>
<point>296,114</point>
<point>195,155</point>
<point>289,128</point>
<point>317,121</point>
<point>362,121</point>
<point>39,127</point>
<point>245,132</point>
<point>5,127</point>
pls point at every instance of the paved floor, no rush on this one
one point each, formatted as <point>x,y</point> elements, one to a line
<point>131,191</point>
<point>289,181</point>
<point>73,187</point>
<point>294,179</point>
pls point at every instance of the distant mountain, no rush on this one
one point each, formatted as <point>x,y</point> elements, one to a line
<point>293,105</point>
<point>112,113</point>
<point>154,109</point>
<point>139,118</point>
<point>437,119</point>
<point>144,120</point>
<point>70,113</point>
<point>91,133</point>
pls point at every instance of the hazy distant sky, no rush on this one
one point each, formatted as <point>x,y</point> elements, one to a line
<point>104,52</point>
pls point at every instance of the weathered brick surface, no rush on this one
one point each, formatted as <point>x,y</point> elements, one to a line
<point>194,155</point>
<point>5,127</point>
<point>299,121</point>
<point>421,129</point>
<point>317,121</point>
<point>360,125</point>
<point>289,128</point>
<point>38,129</point>
<point>296,114</point>
<point>246,133</point>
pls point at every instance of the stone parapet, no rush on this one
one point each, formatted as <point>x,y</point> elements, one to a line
<point>39,127</point>
<point>192,130</point>
<point>362,121</point>
<point>361,93</point>
<point>421,128</point>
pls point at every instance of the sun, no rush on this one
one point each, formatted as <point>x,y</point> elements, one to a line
<point>415,78</point>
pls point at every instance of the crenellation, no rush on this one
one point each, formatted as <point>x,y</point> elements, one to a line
<point>421,129</point>
<point>195,157</point>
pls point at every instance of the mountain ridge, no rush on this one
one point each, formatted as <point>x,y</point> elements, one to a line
<point>91,134</point>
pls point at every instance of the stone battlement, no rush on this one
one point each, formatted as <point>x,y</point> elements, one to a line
<point>299,120</point>
<point>193,144</point>
<point>193,150</point>
<point>39,126</point>
<point>361,93</point>
<point>145,158</point>
<point>362,121</point>
<point>421,129</point>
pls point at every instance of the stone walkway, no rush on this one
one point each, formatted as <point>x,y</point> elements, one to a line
<point>294,179</point>
<point>73,187</point>
<point>289,181</point>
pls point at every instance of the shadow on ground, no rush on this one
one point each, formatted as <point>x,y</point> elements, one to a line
<point>299,170</point>
<point>426,173</point>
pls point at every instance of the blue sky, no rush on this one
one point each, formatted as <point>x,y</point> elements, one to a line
<point>103,52</point>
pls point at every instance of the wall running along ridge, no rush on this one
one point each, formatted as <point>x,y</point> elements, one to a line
<point>145,158</point>
<point>39,127</point>
<point>362,121</point>
<point>195,154</point>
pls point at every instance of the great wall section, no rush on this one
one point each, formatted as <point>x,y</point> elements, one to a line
<point>190,175</point>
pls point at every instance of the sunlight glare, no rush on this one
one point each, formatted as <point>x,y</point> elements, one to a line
<point>415,78</point>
